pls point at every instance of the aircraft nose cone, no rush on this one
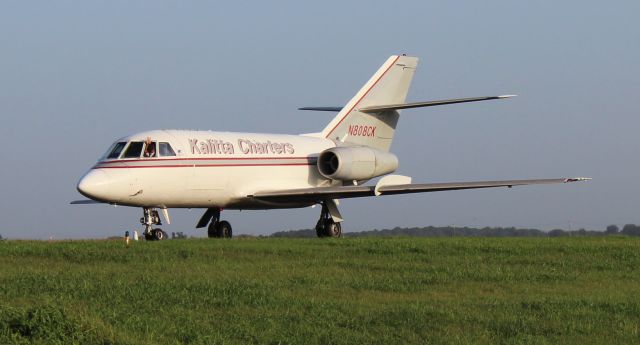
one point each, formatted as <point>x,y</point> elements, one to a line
<point>94,185</point>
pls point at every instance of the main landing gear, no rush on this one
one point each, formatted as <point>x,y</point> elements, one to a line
<point>217,228</point>
<point>149,219</point>
<point>327,226</point>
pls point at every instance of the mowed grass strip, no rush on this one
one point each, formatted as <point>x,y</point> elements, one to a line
<point>579,290</point>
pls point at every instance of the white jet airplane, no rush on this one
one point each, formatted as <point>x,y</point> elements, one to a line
<point>164,169</point>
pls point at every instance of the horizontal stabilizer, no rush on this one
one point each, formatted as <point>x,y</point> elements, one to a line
<point>334,109</point>
<point>341,192</point>
<point>388,107</point>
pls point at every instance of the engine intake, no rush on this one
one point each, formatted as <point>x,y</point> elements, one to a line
<point>355,163</point>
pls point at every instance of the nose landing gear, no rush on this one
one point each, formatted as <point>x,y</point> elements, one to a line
<point>150,217</point>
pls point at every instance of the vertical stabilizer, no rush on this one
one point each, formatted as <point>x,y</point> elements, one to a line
<point>389,85</point>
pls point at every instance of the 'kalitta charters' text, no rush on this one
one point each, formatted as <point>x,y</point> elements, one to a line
<point>246,146</point>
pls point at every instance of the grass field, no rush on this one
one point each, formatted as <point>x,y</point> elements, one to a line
<point>577,290</point>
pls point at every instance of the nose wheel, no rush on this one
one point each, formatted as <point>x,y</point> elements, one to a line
<point>157,235</point>
<point>150,217</point>
<point>326,226</point>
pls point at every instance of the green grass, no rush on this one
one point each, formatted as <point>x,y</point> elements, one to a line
<point>310,291</point>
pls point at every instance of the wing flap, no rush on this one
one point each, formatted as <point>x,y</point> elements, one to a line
<point>343,192</point>
<point>319,193</point>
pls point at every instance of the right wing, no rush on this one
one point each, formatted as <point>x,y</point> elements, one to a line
<point>319,194</point>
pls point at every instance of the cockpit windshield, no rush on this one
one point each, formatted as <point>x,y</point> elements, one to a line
<point>166,150</point>
<point>116,149</point>
<point>137,149</point>
<point>134,150</point>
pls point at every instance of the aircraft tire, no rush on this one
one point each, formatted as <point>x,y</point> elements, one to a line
<point>224,229</point>
<point>212,230</point>
<point>158,234</point>
<point>333,229</point>
<point>320,228</point>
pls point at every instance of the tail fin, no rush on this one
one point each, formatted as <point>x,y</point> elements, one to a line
<point>389,85</point>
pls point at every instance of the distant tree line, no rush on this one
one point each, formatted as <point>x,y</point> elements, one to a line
<point>451,231</point>
<point>628,229</point>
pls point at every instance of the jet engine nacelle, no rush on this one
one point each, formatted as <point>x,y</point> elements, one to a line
<point>355,163</point>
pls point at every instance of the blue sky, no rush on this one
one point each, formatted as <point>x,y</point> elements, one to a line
<point>75,75</point>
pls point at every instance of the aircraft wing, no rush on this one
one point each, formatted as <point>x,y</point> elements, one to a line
<point>343,192</point>
<point>86,202</point>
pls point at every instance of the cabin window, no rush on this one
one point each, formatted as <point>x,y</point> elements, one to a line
<point>134,150</point>
<point>116,150</point>
<point>166,150</point>
<point>150,149</point>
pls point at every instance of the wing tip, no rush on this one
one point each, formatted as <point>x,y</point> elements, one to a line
<point>577,179</point>
<point>506,96</point>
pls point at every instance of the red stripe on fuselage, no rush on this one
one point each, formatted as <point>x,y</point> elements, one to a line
<point>202,165</point>
<point>199,159</point>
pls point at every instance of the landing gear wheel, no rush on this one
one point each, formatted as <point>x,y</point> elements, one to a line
<point>332,229</point>
<point>150,218</point>
<point>326,226</point>
<point>224,229</point>
<point>212,230</point>
<point>221,229</point>
<point>320,228</point>
<point>158,234</point>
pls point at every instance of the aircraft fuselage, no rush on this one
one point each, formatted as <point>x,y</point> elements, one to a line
<point>209,169</point>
